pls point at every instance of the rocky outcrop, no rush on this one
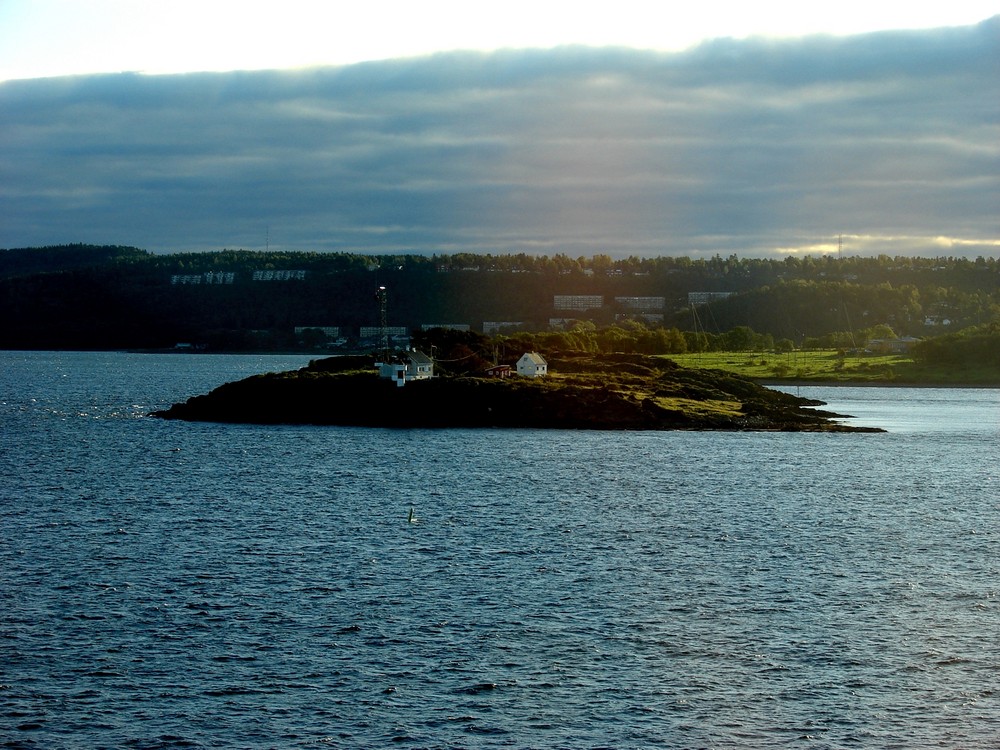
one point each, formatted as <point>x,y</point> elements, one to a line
<point>629,392</point>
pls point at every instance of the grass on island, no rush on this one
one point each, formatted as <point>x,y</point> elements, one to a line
<point>715,407</point>
<point>832,366</point>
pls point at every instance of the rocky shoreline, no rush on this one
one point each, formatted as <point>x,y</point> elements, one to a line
<point>618,392</point>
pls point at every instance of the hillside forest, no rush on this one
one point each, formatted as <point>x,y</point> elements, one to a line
<point>115,297</point>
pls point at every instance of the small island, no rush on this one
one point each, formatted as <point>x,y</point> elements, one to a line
<point>581,391</point>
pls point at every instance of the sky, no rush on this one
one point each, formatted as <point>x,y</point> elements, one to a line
<point>440,127</point>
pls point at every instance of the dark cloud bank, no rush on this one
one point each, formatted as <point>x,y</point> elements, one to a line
<point>746,147</point>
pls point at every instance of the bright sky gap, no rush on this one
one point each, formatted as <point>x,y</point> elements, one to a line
<point>66,37</point>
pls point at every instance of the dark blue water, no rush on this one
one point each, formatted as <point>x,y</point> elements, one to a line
<point>165,584</point>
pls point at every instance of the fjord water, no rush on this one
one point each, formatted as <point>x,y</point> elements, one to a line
<point>170,584</point>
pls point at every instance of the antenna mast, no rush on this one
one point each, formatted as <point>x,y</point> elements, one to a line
<point>383,325</point>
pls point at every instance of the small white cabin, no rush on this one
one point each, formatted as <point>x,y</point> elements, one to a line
<point>412,365</point>
<point>418,365</point>
<point>532,365</point>
<point>394,371</point>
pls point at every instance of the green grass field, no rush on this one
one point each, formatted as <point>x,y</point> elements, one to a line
<point>829,366</point>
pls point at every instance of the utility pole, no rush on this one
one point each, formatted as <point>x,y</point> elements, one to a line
<point>381,296</point>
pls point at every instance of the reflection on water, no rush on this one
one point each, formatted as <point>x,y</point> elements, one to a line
<point>193,585</point>
<point>913,410</point>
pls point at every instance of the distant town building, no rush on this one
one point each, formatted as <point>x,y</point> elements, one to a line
<point>397,337</point>
<point>532,365</point>
<point>367,332</point>
<point>703,298</point>
<point>645,317</point>
<point>578,301</point>
<point>209,277</point>
<point>493,327</point>
<point>329,331</point>
<point>272,275</point>
<point>641,303</point>
<point>446,326</point>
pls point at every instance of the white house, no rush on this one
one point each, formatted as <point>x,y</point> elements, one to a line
<point>412,365</point>
<point>532,365</point>
<point>418,365</point>
<point>395,371</point>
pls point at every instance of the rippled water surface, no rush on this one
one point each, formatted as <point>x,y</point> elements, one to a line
<point>165,584</point>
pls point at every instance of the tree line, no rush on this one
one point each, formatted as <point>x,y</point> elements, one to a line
<point>84,296</point>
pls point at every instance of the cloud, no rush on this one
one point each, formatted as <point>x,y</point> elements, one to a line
<point>747,147</point>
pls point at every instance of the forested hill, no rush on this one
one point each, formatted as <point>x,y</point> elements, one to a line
<point>31,260</point>
<point>85,296</point>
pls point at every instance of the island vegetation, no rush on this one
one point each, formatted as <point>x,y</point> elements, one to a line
<point>967,358</point>
<point>964,359</point>
<point>609,392</point>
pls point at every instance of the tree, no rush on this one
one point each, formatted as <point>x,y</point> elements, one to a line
<point>880,331</point>
<point>739,339</point>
